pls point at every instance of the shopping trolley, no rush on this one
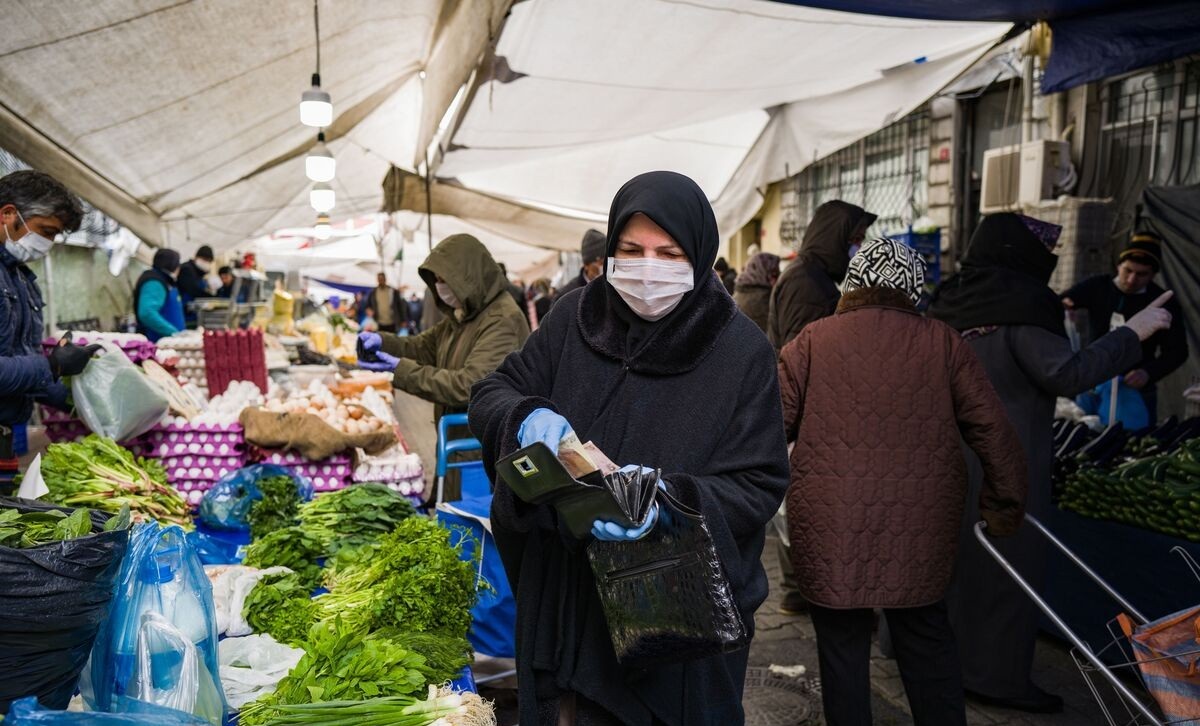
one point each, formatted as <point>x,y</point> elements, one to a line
<point>493,618</point>
<point>471,474</point>
<point>1098,666</point>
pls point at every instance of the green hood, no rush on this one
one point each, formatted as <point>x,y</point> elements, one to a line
<point>468,268</point>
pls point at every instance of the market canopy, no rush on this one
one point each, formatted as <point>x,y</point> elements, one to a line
<point>179,118</point>
<point>1093,39</point>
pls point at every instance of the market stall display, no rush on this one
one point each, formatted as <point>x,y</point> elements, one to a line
<point>189,347</point>
<point>1150,481</point>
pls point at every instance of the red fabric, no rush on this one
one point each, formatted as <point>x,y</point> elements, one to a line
<point>878,401</point>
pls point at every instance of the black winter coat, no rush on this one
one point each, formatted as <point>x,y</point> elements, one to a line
<point>701,401</point>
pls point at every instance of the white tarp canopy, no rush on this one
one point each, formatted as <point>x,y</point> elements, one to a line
<point>180,117</point>
<point>353,256</point>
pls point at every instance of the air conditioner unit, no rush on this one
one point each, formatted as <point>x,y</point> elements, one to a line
<point>1001,179</point>
<point>1024,174</point>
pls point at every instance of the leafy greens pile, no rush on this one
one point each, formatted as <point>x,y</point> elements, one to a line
<point>33,529</point>
<point>280,606</point>
<point>96,472</point>
<point>277,508</point>
<point>290,547</point>
<point>415,581</point>
<point>354,516</point>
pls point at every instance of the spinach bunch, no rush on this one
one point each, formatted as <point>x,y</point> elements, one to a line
<point>354,516</point>
<point>33,529</point>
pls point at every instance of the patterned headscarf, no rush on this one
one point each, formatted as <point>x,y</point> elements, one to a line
<point>884,262</point>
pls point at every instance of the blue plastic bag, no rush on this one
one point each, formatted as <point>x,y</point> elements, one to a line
<point>159,643</point>
<point>227,505</point>
<point>1131,407</point>
<point>494,617</point>
<point>27,712</point>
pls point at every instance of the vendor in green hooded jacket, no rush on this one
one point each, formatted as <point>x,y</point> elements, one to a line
<point>482,325</point>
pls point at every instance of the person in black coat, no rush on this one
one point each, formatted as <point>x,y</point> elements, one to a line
<point>192,283</point>
<point>657,367</point>
<point>1112,299</point>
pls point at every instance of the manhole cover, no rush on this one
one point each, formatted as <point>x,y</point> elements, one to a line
<point>772,700</point>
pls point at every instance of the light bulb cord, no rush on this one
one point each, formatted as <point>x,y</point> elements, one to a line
<point>317,29</point>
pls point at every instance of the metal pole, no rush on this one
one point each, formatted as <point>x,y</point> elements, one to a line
<point>1081,646</point>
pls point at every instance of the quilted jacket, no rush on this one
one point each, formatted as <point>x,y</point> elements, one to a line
<point>878,401</point>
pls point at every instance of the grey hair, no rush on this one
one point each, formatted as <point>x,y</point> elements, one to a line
<point>35,194</point>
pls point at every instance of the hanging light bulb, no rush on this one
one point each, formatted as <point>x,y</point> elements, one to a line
<point>321,197</point>
<point>320,165</point>
<point>316,107</point>
<point>322,230</point>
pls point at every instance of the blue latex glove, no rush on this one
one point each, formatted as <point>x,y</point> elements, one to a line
<point>383,363</point>
<point>545,426</point>
<point>370,342</point>
<point>612,532</point>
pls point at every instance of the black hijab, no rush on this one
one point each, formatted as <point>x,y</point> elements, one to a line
<point>678,205</point>
<point>1004,280</point>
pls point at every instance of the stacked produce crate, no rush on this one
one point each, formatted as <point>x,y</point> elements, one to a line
<point>327,475</point>
<point>234,355</point>
<point>191,366</point>
<point>196,456</point>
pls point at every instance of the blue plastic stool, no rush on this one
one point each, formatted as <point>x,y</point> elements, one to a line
<point>472,475</point>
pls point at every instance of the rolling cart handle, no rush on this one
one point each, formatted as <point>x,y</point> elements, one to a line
<point>1082,647</point>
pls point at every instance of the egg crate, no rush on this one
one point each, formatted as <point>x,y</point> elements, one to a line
<point>292,459</point>
<point>327,483</point>
<point>411,488</point>
<point>136,351</point>
<point>176,473</point>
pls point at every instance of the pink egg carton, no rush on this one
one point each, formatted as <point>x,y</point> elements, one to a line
<point>209,448</point>
<point>53,415</point>
<point>327,483</point>
<point>136,350</point>
<point>200,473</point>
<point>293,459</point>
<point>191,428</point>
<point>203,460</point>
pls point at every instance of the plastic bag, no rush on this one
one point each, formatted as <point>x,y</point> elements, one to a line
<point>27,712</point>
<point>115,399</point>
<point>160,643</point>
<point>52,603</point>
<point>227,505</point>
<point>253,666</point>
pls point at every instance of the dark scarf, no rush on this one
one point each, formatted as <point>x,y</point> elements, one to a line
<point>1004,280</point>
<point>675,203</point>
<point>761,271</point>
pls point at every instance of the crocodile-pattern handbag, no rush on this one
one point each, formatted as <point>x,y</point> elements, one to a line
<point>666,597</point>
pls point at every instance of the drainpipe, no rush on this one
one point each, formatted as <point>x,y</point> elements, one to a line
<point>1027,92</point>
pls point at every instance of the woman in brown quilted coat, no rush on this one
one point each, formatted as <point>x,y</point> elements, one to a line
<point>877,400</point>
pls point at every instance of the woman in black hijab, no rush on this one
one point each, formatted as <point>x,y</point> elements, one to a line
<point>653,363</point>
<point>1002,304</point>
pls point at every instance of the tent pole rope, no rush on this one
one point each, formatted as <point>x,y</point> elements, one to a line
<point>428,205</point>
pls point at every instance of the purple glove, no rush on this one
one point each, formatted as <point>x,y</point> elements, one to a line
<point>368,343</point>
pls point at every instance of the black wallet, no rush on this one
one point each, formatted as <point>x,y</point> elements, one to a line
<point>536,476</point>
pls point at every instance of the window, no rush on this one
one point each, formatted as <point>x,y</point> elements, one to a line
<point>885,173</point>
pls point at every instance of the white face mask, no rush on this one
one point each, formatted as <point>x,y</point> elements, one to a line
<point>203,265</point>
<point>651,288</point>
<point>447,295</point>
<point>31,247</point>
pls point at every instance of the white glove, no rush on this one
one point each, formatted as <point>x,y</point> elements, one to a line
<point>1153,319</point>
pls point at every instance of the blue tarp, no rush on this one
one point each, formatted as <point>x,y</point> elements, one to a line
<point>1092,39</point>
<point>352,289</point>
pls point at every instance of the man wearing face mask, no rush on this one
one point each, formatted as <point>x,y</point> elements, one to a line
<point>157,303</point>
<point>34,210</point>
<point>654,365</point>
<point>591,251</point>
<point>191,282</point>
<point>807,290</point>
<point>482,324</point>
